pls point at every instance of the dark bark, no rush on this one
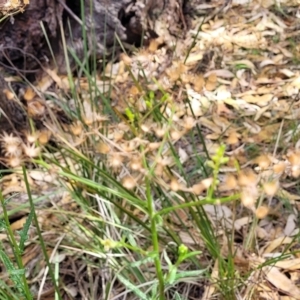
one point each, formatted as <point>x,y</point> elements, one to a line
<point>12,114</point>
<point>23,45</point>
<point>23,42</point>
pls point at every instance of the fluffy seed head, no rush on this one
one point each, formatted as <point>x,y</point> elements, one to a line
<point>11,145</point>
<point>129,182</point>
<point>153,146</point>
<point>294,158</point>
<point>76,128</point>
<point>247,178</point>
<point>31,137</point>
<point>116,160</point>
<point>279,168</point>
<point>263,161</point>
<point>31,150</point>
<point>102,148</point>
<point>270,188</point>
<point>248,197</point>
<point>174,185</point>
<point>35,108</point>
<point>44,137</point>
<point>10,139</point>
<point>136,164</point>
<point>295,171</point>
<point>231,182</point>
<point>14,161</point>
<point>261,212</point>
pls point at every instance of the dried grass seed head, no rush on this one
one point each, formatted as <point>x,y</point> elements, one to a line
<point>14,161</point>
<point>294,158</point>
<point>175,185</point>
<point>11,145</point>
<point>249,197</point>
<point>116,160</point>
<point>231,181</point>
<point>295,171</point>
<point>10,139</point>
<point>129,182</point>
<point>44,136</point>
<point>153,146</point>
<point>31,137</point>
<point>76,128</point>
<point>103,148</point>
<point>261,212</point>
<point>271,188</point>
<point>136,163</point>
<point>31,150</point>
<point>263,161</point>
<point>247,178</point>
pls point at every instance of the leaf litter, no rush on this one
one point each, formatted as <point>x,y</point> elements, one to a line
<point>238,80</point>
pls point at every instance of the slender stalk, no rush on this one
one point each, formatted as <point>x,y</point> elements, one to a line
<point>155,242</point>
<point>43,246</point>
<point>16,249</point>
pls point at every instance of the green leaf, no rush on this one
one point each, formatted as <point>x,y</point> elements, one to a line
<point>132,287</point>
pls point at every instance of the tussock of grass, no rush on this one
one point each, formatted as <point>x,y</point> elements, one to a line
<point>146,197</point>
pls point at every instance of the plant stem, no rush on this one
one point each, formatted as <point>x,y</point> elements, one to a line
<point>155,243</point>
<point>16,249</point>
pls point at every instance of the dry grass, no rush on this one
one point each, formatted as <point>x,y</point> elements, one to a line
<point>176,179</point>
